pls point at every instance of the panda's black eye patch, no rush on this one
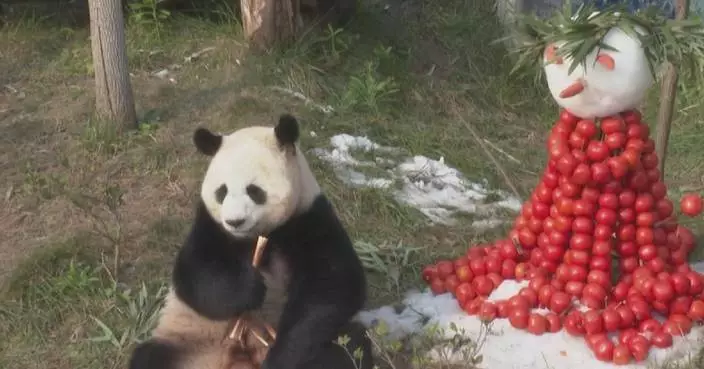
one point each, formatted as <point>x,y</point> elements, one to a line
<point>220,194</point>
<point>256,194</point>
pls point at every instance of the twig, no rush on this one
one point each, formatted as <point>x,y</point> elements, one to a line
<point>474,133</point>
<point>491,144</point>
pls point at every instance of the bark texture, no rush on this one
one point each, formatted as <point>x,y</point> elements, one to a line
<point>269,23</point>
<point>113,89</point>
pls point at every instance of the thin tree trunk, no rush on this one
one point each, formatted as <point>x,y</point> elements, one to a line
<point>268,23</point>
<point>113,90</point>
<point>668,92</point>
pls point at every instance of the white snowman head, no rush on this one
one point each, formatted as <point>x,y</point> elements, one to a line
<point>611,81</point>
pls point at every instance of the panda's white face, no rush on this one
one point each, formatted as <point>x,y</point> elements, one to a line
<point>255,181</point>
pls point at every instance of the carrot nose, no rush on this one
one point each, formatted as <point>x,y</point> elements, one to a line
<point>574,89</point>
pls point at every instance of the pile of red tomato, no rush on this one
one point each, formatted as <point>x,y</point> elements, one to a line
<point>598,243</point>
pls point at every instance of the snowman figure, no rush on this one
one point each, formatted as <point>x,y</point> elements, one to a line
<point>610,82</point>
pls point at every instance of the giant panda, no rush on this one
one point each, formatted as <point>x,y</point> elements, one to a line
<point>258,182</point>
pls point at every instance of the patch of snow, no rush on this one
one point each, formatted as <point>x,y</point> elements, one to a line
<point>506,347</point>
<point>434,188</point>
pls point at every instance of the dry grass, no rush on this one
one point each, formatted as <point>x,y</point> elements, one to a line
<point>89,215</point>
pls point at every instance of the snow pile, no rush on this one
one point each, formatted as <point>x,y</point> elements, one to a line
<point>436,189</point>
<point>506,347</point>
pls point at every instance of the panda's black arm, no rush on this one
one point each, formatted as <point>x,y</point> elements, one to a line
<point>213,273</point>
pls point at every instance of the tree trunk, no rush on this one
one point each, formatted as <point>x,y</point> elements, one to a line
<point>269,23</point>
<point>113,90</point>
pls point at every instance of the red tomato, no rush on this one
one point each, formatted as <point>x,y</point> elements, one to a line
<point>628,248</point>
<point>451,283</point>
<point>696,311</point>
<point>644,202</point>
<point>437,286</point>
<point>574,288</point>
<point>593,322</point>
<point>508,250</point>
<point>478,266</point>
<point>600,278</point>
<point>586,128</point>
<point>554,323</point>
<point>445,268</point>
<point>580,241</point>
<point>518,317</point>
<point>483,285</point>
<point>577,273</point>
<point>603,232</point>
<point>613,125</point>
<point>569,119</point>
<point>473,306</point>
<point>661,339</point>
<point>650,325</point>
<point>574,323</point>
<point>696,284</point>
<point>691,205</point>
<point>464,274</point>
<point>612,320</point>
<point>601,173</point>
<point>430,272</point>
<point>604,350</point>
<point>545,294</point>
<point>627,198</point>
<point>680,305</point>
<point>559,302</point>
<point>566,164</point>
<point>537,324</point>
<point>662,290</point>
<point>616,140</point>
<point>493,264</point>
<point>649,160</point>
<point>677,324</point>
<point>639,349</point>
<point>582,207</point>
<point>619,166</point>
<point>609,200</point>
<point>606,216</point>
<point>593,339</point>
<point>582,224</point>
<point>597,151</point>
<point>530,296</point>
<point>502,309</point>
<point>644,236</point>
<point>628,264</point>
<point>621,355</point>
<point>582,174</point>
<point>488,311</point>
<point>464,293</point>
<point>658,190</point>
<point>521,271</point>
<point>508,269</point>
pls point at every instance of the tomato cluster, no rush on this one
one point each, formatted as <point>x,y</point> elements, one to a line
<point>598,242</point>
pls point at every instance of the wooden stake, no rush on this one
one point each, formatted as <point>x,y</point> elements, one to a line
<point>668,92</point>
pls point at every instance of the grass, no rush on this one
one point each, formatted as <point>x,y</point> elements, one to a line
<point>93,219</point>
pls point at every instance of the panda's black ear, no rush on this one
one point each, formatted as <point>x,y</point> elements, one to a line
<point>287,130</point>
<point>207,142</point>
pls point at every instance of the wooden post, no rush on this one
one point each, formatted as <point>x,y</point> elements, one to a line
<point>268,23</point>
<point>668,92</point>
<point>113,91</point>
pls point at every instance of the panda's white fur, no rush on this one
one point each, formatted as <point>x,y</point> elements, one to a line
<point>269,159</point>
<point>284,175</point>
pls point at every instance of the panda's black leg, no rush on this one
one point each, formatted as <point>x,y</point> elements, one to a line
<point>304,337</point>
<point>154,354</point>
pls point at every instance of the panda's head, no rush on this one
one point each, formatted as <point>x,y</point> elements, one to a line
<point>257,178</point>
